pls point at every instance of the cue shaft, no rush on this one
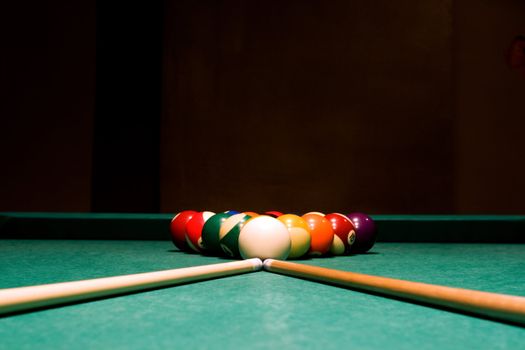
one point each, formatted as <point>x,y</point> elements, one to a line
<point>25,298</point>
<point>498,306</point>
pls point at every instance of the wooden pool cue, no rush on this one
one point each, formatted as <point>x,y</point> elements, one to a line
<point>496,306</point>
<point>25,298</point>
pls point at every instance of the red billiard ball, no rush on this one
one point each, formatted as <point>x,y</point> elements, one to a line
<point>178,228</point>
<point>365,232</point>
<point>321,232</point>
<point>344,231</point>
<point>273,213</point>
<point>194,230</point>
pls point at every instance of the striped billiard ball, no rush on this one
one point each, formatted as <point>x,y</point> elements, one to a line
<point>299,234</point>
<point>344,233</point>
<point>194,230</point>
<point>229,234</point>
<point>211,233</point>
<point>365,232</point>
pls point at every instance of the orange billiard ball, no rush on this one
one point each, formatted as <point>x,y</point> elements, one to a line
<point>321,232</point>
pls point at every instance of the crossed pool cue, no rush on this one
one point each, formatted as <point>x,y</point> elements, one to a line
<point>502,307</point>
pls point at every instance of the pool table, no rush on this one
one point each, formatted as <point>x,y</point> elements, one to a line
<point>259,309</point>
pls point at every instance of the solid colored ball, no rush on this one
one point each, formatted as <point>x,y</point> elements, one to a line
<point>365,232</point>
<point>251,213</point>
<point>299,234</point>
<point>321,232</point>
<point>344,233</point>
<point>178,229</point>
<point>274,214</point>
<point>229,234</point>
<point>231,212</point>
<point>264,237</point>
<point>194,230</point>
<point>211,233</point>
<point>314,212</point>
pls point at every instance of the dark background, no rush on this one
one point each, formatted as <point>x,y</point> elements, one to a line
<point>256,105</point>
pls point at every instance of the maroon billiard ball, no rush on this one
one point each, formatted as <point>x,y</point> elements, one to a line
<point>365,232</point>
<point>344,231</point>
<point>178,229</point>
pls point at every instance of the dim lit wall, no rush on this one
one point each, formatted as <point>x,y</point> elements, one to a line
<point>384,107</point>
<point>47,84</point>
<point>303,105</point>
<point>490,101</point>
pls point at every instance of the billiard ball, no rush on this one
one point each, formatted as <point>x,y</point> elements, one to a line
<point>178,228</point>
<point>365,232</point>
<point>194,230</point>
<point>229,234</point>
<point>344,233</point>
<point>231,212</point>
<point>264,237</point>
<point>321,232</point>
<point>251,213</point>
<point>211,233</point>
<point>274,214</point>
<point>315,212</point>
<point>299,234</point>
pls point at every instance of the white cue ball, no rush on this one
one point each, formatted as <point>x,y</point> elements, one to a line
<point>264,237</point>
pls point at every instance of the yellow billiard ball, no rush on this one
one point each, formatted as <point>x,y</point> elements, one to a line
<point>299,234</point>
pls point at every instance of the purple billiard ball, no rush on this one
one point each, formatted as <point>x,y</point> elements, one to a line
<point>365,232</point>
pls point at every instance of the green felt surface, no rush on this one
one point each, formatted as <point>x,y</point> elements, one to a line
<point>257,310</point>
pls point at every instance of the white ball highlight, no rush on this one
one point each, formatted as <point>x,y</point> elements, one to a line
<point>264,237</point>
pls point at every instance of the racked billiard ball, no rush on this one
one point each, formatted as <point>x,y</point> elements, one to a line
<point>194,230</point>
<point>264,237</point>
<point>365,232</point>
<point>211,232</point>
<point>299,234</point>
<point>178,228</point>
<point>344,233</point>
<point>229,234</point>
<point>274,213</point>
<point>321,232</point>
<point>315,212</point>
